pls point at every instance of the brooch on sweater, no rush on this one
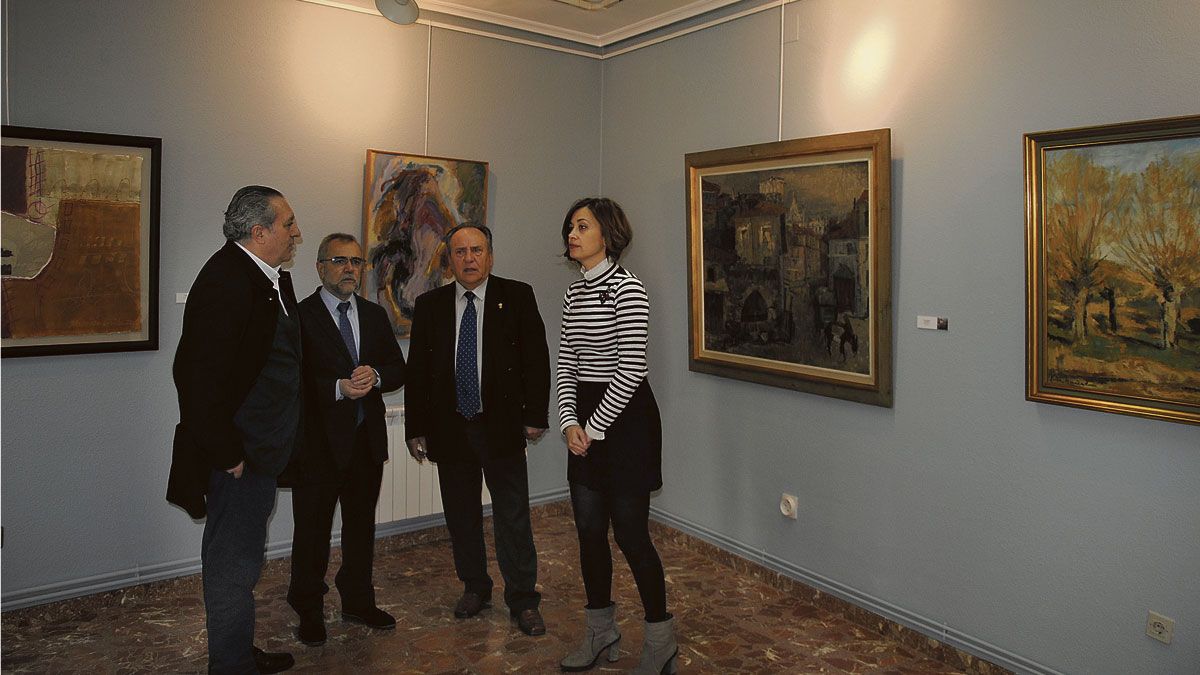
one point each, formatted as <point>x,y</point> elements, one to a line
<point>604,296</point>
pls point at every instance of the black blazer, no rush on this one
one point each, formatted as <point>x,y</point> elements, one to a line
<point>515,382</point>
<point>330,425</point>
<point>228,329</point>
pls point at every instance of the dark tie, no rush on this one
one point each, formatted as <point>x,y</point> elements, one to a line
<point>346,331</point>
<point>348,337</point>
<point>466,372</point>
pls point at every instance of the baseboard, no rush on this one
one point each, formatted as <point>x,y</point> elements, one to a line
<point>116,580</point>
<point>884,610</point>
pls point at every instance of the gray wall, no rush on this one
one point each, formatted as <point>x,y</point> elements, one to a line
<point>279,92</point>
<point>1031,530</point>
<point>1042,531</point>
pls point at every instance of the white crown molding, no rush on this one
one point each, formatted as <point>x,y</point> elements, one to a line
<point>454,9</point>
<point>664,19</point>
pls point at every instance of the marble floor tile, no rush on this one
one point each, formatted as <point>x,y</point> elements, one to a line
<point>731,617</point>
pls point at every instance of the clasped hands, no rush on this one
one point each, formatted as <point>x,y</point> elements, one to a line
<point>577,440</point>
<point>359,383</point>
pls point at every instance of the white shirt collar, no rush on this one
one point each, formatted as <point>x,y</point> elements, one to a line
<point>271,272</point>
<point>599,269</point>
<point>480,291</point>
<point>332,301</point>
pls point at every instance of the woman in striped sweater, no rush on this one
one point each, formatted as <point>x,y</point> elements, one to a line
<point>613,431</point>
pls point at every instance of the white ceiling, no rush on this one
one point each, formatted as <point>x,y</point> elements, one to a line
<point>555,19</point>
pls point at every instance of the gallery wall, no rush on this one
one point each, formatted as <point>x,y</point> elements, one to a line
<point>277,92</point>
<point>1037,535</point>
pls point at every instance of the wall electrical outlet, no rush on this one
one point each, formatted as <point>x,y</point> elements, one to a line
<point>1160,627</point>
<point>788,505</point>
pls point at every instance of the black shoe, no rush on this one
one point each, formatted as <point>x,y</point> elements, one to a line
<point>312,628</point>
<point>470,604</point>
<point>530,622</point>
<point>371,617</point>
<point>272,662</point>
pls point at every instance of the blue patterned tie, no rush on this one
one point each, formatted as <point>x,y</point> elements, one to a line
<point>466,371</point>
<point>348,337</point>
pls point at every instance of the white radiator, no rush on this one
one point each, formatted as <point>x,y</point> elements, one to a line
<point>409,489</point>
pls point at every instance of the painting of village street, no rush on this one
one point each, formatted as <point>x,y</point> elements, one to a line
<point>786,254</point>
<point>1119,279</point>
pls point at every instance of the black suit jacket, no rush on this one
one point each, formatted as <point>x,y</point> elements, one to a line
<point>330,425</point>
<point>228,329</point>
<point>514,384</point>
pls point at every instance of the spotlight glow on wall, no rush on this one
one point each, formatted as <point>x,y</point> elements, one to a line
<point>869,60</point>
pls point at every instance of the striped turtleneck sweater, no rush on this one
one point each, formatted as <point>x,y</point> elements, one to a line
<point>605,325</point>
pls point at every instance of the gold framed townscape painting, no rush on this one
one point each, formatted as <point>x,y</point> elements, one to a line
<point>789,248</point>
<point>1113,268</point>
<point>80,242</point>
<point>409,203</point>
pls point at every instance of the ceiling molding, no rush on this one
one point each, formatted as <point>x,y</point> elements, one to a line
<point>662,20</point>
<point>495,18</point>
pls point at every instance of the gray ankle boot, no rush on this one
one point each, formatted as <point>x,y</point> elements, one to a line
<point>601,635</point>
<point>659,649</point>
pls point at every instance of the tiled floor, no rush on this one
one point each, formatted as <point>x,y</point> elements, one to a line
<point>731,618</point>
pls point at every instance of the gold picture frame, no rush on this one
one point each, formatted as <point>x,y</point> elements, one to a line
<point>789,247</point>
<point>1112,239</point>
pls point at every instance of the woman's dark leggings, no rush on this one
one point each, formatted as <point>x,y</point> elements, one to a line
<point>630,516</point>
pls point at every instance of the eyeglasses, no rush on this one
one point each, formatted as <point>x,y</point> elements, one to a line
<point>341,260</point>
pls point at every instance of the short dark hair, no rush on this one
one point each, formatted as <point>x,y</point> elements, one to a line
<point>487,233</point>
<point>250,206</point>
<point>614,226</point>
<point>329,238</point>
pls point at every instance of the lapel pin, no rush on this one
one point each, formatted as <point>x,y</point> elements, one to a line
<point>499,305</point>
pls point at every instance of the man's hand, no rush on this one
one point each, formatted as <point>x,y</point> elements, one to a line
<point>363,377</point>
<point>416,448</point>
<point>350,391</point>
<point>577,440</point>
<point>533,433</point>
<point>237,470</point>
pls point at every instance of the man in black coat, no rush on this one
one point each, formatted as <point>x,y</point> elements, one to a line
<point>478,390</point>
<point>237,373</point>
<point>351,359</point>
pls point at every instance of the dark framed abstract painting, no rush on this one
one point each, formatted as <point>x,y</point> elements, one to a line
<point>1112,241</point>
<point>80,242</point>
<point>790,264</point>
<point>409,203</point>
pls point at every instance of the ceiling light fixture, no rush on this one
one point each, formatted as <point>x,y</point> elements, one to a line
<point>402,12</point>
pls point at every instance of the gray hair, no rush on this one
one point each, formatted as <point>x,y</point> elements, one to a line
<point>330,238</point>
<point>487,233</point>
<point>250,206</point>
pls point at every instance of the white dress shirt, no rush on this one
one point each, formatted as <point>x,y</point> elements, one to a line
<point>271,272</point>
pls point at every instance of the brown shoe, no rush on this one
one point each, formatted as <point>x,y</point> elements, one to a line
<point>530,622</point>
<point>470,604</point>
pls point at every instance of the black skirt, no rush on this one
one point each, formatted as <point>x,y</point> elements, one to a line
<point>629,459</point>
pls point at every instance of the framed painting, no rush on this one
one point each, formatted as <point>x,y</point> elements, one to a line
<point>80,242</point>
<point>1112,238</point>
<point>789,247</point>
<point>409,203</point>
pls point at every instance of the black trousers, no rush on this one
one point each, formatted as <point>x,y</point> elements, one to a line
<point>508,481</point>
<point>357,488</point>
<point>235,538</point>
<point>629,514</point>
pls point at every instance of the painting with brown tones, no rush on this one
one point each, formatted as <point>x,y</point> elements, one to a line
<point>409,203</point>
<point>790,257</point>
<point>1113,268</point>
<point>80,238</point>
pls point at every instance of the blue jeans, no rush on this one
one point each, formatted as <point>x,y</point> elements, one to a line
<point>235,538</point>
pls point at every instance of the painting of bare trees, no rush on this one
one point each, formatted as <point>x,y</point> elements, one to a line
<point>1113,237</point>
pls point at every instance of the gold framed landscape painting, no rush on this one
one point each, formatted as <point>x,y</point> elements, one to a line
<point>789,248</point>
<point>410,202</point>
<point>1113,268</point>
<point>80,242</point>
